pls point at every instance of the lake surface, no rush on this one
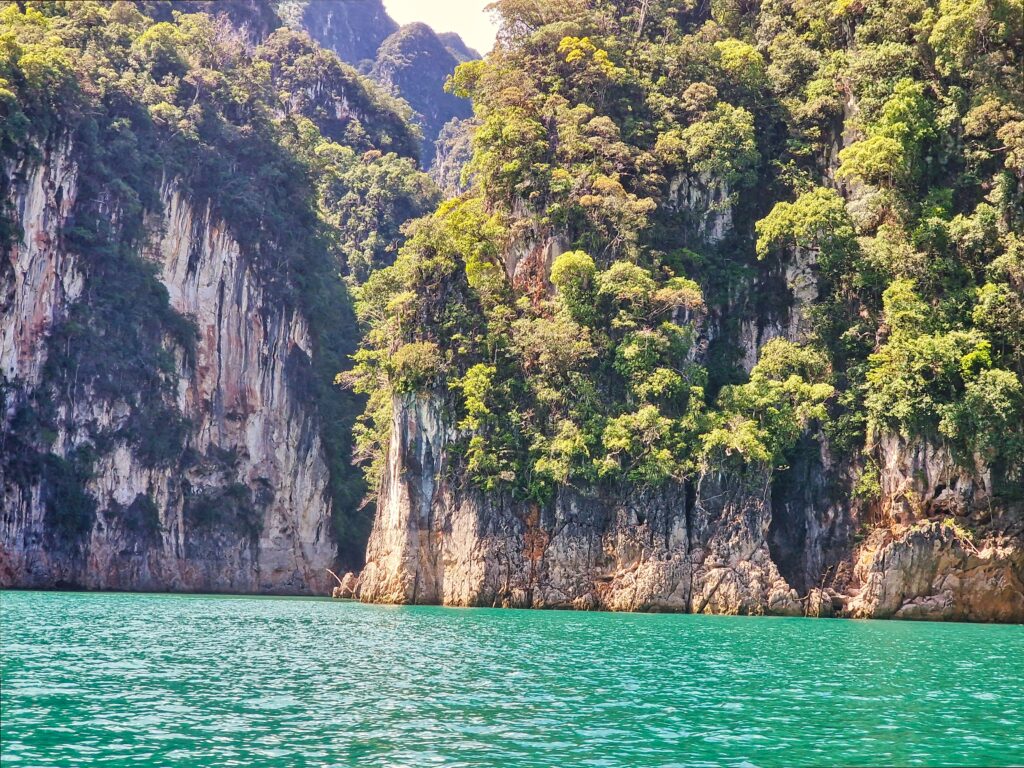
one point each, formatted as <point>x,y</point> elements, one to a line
<point>168,680</point>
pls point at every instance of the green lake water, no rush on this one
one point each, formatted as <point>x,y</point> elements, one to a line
<point>168,680</point>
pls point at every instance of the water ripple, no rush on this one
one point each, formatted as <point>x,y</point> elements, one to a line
<point>118,680</point>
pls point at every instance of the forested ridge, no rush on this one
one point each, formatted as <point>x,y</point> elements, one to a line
<point>311,165</point>
<point>882,142</point>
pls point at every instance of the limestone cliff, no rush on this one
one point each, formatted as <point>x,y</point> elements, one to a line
<point>681,548</point>
<point>353,30</point>
<point>937,542</point>
<point>242,504</point>
<point>736,541</point>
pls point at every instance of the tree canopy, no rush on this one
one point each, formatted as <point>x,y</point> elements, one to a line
<point>881,140</point>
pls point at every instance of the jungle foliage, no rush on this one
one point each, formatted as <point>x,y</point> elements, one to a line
<point>882,140</point>
<point>308,163</point>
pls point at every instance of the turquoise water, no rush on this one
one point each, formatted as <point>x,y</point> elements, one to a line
<point>118,680</point>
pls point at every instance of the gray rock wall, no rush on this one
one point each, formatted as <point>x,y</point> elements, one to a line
<point>245,507</point>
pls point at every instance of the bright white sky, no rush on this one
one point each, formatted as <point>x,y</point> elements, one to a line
<point>467,17</point>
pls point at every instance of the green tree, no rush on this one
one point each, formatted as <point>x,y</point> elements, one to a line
<point>722,145</point>
<point>573,274</point>
<point>878,160</point>
<point>816,221</point>
<point>760,421</point>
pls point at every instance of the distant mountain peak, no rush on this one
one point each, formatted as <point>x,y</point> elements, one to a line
<point>415,63</point>
<point>457,47</point>
<point>412,60</point>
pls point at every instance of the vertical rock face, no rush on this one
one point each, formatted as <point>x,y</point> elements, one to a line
<point>243,505</point>
<point>453,151</point>
<point>682,548</point>
<point>39,278</point>
<point>796,280</point>
<point>733,540</point>
<point>736,541</point>
<point>353,30</point>
<point>706,201</point>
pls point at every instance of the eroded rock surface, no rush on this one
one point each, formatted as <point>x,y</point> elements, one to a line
<point>711,547</point>
<point>243,506</point>
<point>434,542</point>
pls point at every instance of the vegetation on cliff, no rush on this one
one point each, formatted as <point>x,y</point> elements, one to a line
<point>645,171</point>
<point>644,177</point>
<point>308,164</point>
